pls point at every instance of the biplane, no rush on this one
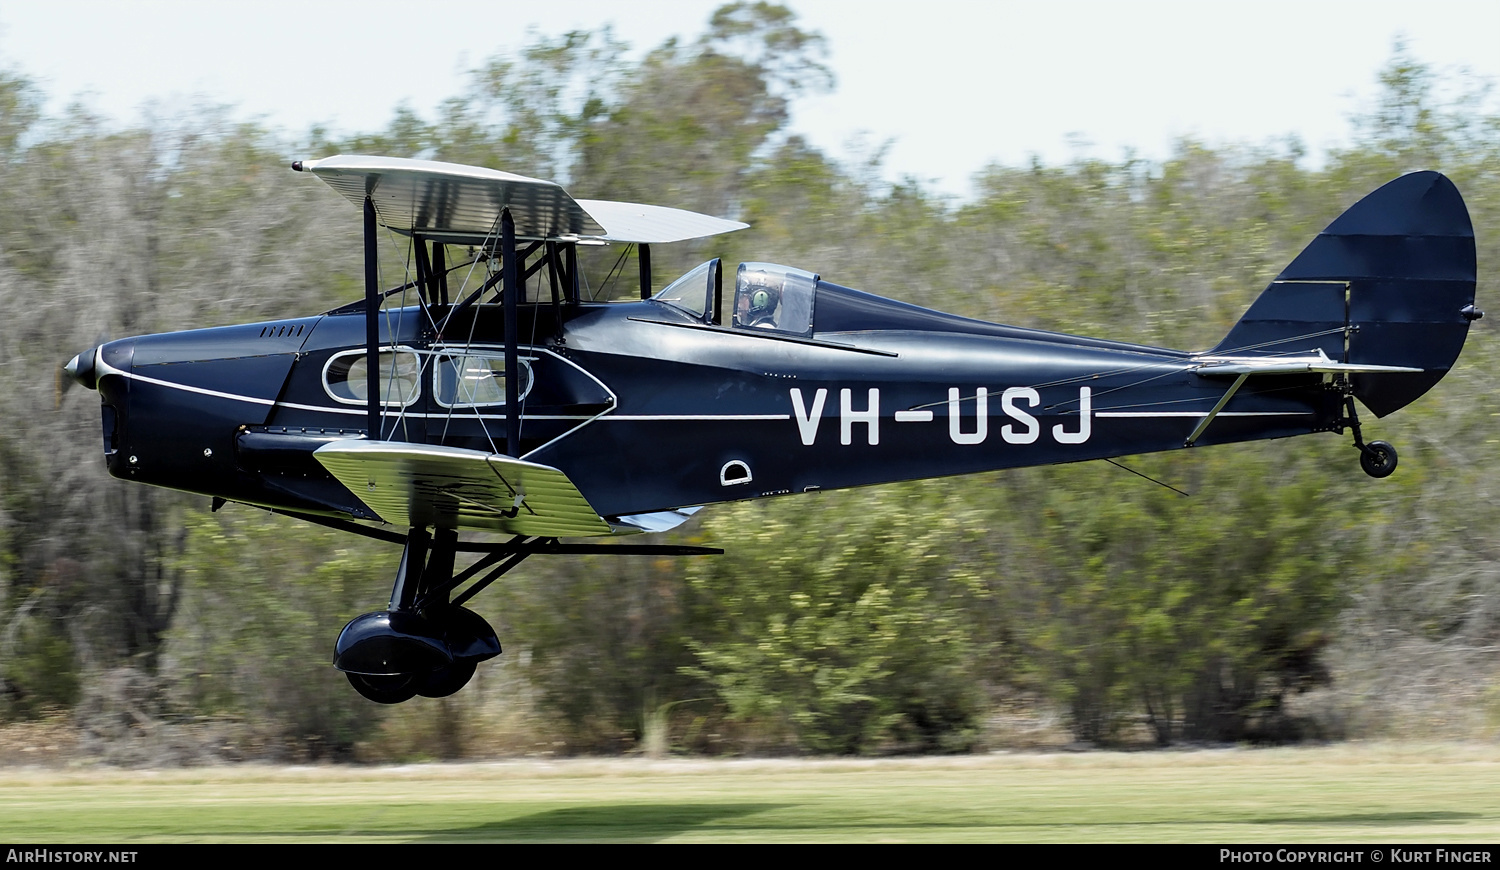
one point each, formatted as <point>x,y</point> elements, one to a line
<point>485,394</point>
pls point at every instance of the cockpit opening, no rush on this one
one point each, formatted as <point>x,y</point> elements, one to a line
<point>779,298</point>
<point>766,297</point>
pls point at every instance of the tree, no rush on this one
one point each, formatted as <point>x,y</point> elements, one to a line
<point>843,626</point>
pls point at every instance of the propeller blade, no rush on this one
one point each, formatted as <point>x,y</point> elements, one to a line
<point>60,385</point>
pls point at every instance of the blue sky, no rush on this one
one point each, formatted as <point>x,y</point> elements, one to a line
<point>950,85</point>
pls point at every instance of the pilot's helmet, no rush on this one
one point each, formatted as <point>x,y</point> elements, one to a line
<point>763,291</point>
<point>762,301</point>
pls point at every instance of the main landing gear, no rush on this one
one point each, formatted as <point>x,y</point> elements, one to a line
<point>424,644</point>
<point>1377,458</point>
<point>427,643</point>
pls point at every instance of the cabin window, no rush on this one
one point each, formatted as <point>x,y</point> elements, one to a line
<point>472,380</point>
<point>777,298</point>
<point>346,377</point>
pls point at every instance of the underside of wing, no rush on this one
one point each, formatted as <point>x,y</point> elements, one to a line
<point>426,196</point>
<point>654,224</point>
<point>461,204</point>
<point>429,485</point>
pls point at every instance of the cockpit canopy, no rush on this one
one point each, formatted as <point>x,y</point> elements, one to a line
<point>766,296</point>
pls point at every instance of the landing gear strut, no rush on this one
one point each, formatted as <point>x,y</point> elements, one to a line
<point>1377,458</point>
<point>424,644</point>
<point>427,643</point>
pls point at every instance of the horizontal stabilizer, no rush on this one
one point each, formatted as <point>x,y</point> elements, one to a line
<point>410,484</point>
<point>1289,365</point>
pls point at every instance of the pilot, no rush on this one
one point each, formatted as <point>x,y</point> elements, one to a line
<point>757,302</point>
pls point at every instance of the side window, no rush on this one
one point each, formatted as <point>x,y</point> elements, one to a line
<point>778,298</point>
<point>346,377</point>
<point>472,380</point>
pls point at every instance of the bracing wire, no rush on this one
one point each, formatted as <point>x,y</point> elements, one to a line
<point>1148,477</point>
<point>448,417</point>
<point>469,346</point>
<point>613,271</point>
<point>1170,368</point>
<point>394,330</point>
<point>531,342</point>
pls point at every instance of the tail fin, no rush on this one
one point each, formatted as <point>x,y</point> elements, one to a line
<point>1389,282</point>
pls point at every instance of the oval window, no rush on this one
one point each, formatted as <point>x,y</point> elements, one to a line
<point>472,380</point>
<point>346,377</point>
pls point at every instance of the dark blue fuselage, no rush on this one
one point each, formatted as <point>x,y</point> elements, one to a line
<point>647,407</point>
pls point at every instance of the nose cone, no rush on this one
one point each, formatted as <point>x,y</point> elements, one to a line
<point>80,369</point>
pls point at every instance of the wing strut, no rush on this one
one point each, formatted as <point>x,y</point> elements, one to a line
<point>373,298</point>
<point>426,283</point>
<point>512,328</point>
<point>644,251</point>
<point>440,270</point>
<point>557,314</point>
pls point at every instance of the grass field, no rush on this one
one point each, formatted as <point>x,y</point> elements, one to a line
<point>1358,794</point>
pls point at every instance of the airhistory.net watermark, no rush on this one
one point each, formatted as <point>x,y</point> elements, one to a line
<point>67,856</point>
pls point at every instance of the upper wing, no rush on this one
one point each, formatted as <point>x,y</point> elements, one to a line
<point>430,485</point>
<point>654,224</point>
<point>462,204</point>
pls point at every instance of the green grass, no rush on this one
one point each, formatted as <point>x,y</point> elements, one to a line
<point>1348,794</point>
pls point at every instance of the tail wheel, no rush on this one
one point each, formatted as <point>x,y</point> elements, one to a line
<point>444,681</point>
<point>387,688</point>
<point>1378,459</point>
